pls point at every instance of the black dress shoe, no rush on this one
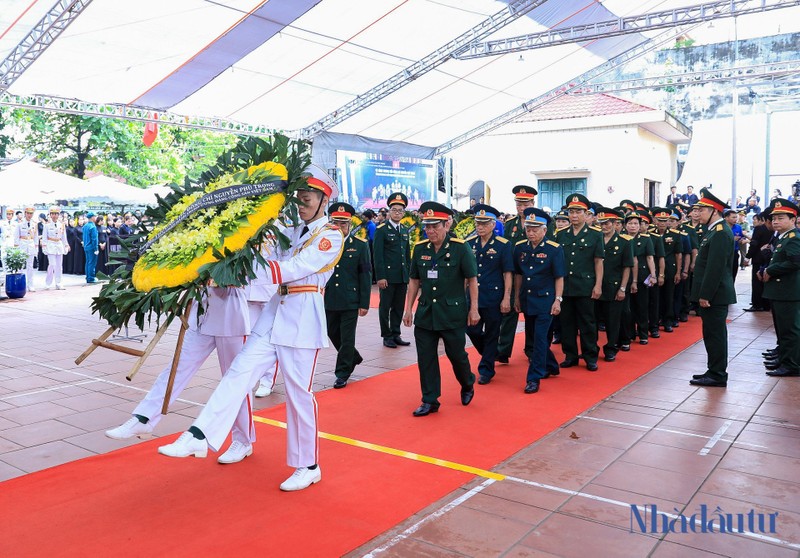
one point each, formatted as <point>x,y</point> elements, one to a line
<point>591,366</point>
<point>683,318</point>
<point>782,372</point>
<point>568,363</point>
<point>532,387</point>
<point>483,380</point>
<point>643,341</point>
<point>625,348</point>
<point>389,342</point>
<point>556,340</point>
<point>601,327</point>
<point>610,358</point>
<point>773,365</point>
<point>770,352</point>
<point>705,381</point>
<point>698,376</point>
<point>554,372</point>
<point>399,341</point>
<point>668,329</point>
<point>655,334</point>
<point>502,359</point>
<point>466,396</point>
<point>358,360</point>
<point>426,409</point>
<point>339,383</point>
<point>754,309</point>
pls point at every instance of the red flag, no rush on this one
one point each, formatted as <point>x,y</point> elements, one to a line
<point>150,133</point>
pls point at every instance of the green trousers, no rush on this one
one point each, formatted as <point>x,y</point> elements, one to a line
<point>715,339</point>
<point>430,378</point>
<point>508,330</point>
<point>390,310</point>
<point>342,333</point>
<point>577,317</point>
<point>787,324</point>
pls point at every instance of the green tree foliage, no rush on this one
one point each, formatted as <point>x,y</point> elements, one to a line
<point>5,129</point>
<point>77,144</point>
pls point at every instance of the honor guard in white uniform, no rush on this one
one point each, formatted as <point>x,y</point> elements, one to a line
<point>290,331</point>
<point>54,245</point>
<point>26,237</point>
<point>223,326</point>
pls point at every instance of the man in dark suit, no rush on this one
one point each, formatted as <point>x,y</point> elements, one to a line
<point>673,198</point>
<point>759,254</point>
<point>690,198</point>
<point>713,288</point>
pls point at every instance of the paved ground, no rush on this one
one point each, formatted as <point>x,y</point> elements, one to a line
<point>658,441</point>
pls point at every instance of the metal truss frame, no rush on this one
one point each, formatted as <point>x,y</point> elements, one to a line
<point>127,112</point>
<point>422,66</point>
<point>54,22</point>
<point>574,84</point>
<point>764,72</point>
<point>622,26</point>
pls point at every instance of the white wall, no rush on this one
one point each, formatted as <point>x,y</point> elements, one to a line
<point>619,157</point>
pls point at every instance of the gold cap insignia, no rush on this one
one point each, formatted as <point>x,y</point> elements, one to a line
<point>482,213</point>
<point>575,199</point>
<point>778,204</point>
<point>341,209</point>
<point>429,213</point>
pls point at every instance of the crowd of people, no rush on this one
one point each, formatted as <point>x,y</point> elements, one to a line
<point>631,271</point>
<point>60,243</point>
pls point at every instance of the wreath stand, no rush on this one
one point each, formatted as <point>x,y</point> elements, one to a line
<point>101,342</point>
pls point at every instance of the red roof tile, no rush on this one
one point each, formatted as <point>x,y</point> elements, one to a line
<point>581,106</point>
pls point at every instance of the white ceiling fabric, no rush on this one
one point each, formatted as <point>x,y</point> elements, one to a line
<point>116,51</point>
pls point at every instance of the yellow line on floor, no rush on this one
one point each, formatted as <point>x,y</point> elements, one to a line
<point>392,451</point>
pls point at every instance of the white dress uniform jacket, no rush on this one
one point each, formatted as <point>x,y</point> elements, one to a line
<point>298,319</point>
<point>26,236</point>
<point>54,239</point>
<point>7,228</point>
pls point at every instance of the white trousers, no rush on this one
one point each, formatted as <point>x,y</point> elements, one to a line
<point>196,349</point>
<point>54,264</point>
<point>29,272</point>
<point>255,308</point>
<point>257,355</point>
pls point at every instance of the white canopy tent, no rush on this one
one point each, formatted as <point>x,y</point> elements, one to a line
<point>29,183</point>
<point>286,64</point>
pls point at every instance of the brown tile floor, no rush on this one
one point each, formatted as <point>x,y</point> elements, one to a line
<point>657,442</point>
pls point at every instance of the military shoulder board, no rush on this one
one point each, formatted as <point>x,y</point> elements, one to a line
<point>421,242</point>
<point>472,237</point>
<point>359,238</point>
<point>554,244</point>
<point>457,240</point>
<point>791,235</point>
<point>521,242</point>
<point>382,225</point>
<point>719,228</point>
<point>646,235</point>
<point>594,228</point>
<point>501,239</point>
<point>626,236</point>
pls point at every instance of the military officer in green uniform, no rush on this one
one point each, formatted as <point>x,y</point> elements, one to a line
<point>392,258</point>
<point>514,231</point>
<point>347,295</point>
<point>659,256</point>
<point>713,288</point>
<point>673,264</point>
<point>439,269</point>
<point>583,251</point>
<point>643,276</point>
<point>782,284</point>
<point>617,267</point>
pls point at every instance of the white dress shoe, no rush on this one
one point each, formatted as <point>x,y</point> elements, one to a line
<point>236,452</point>
<point>185,446</point>
<point>59,288</point>
<point>31,290</point>
<point>303,477</point>
<point>132,427</point>
<point>263,390</point>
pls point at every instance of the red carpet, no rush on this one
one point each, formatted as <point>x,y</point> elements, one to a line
<point>136,502</point>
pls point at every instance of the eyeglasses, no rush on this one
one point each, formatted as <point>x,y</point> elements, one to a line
<point>397,209</point>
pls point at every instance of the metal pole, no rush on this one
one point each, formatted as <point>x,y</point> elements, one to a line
<point>735,111</point>
<point>767,154</point>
